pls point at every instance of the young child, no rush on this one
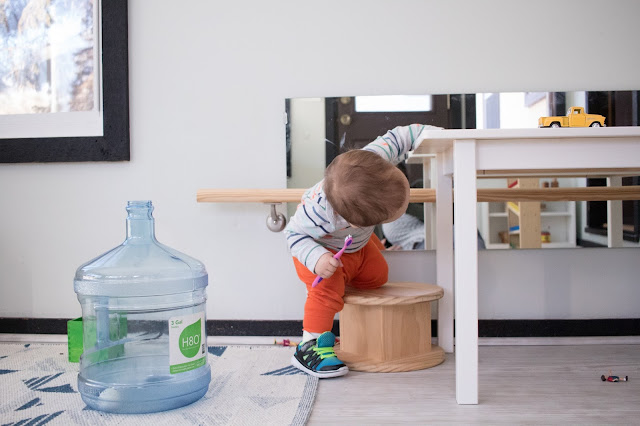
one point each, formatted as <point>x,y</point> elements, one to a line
<point>361,189</point>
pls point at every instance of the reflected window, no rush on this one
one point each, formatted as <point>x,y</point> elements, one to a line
<point>397,103</point>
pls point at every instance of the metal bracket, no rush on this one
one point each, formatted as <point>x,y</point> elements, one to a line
<point>276,221</point>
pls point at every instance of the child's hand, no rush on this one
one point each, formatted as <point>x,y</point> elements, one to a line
<point>327,265</point>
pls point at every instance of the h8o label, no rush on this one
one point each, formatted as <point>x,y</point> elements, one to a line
<point>187,340</point>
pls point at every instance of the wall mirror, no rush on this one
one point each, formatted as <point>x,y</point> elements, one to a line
<point>318,129</point>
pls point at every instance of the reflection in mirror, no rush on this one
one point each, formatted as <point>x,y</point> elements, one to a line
<point>318,129</point>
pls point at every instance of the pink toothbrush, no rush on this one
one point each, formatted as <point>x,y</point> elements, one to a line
<point>347,243</point>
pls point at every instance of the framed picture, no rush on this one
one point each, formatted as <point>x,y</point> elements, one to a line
<point>106,139</point>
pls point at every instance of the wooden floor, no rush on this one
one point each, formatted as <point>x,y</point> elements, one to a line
<point>518,385</point>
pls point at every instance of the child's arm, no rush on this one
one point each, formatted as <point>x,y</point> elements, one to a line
<point>309,223</point>
<point>396,144</point>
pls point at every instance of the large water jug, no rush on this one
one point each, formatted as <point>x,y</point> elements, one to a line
<point>143,314</point>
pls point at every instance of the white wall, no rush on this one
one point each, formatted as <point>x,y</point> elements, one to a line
<point>208,81</point>
<point>542,284</point>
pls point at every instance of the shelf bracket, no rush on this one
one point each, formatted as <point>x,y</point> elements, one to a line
<point>276,221</point>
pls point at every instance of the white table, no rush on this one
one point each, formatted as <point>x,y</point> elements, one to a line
<point>464,155</point>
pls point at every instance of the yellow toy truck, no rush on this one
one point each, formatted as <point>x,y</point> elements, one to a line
<point>576,117</point>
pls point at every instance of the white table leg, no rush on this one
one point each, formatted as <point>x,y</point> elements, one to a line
<point>430,179</point>
<point>444,253</point>
<point>614,216</point>
<point>466,270</point>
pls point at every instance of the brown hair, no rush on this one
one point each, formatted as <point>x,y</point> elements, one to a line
<point>364,188</point>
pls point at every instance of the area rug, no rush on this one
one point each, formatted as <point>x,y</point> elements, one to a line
<point>250,385</point>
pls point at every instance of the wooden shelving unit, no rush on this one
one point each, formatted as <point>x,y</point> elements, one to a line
<point>558,218</point>
<point>523,218</point>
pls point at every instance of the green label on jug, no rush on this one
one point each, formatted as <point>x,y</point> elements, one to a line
<point>187,338</point>
<point>191,340</point>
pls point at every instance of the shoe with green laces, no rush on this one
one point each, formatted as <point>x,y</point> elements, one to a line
<point>317,358</point>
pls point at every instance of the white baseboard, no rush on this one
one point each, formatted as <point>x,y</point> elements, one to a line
<point>270,340</point>
<point>558,341</point>
<point>32,338</point>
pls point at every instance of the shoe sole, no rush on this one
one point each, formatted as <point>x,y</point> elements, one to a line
<point>321,375</point>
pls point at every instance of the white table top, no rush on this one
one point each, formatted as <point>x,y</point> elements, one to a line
<point>592,151</point>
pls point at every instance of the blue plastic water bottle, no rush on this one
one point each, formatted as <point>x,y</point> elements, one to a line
<point>144,317</point>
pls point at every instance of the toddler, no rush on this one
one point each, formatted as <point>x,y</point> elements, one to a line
<point>361,189</point>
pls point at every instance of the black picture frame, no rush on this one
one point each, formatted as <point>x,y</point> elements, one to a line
<point>114,144</point>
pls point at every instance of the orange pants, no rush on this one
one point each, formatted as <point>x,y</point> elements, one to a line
<point>366,268</point>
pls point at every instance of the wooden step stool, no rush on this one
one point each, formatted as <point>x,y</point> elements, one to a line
<point>388,329</point>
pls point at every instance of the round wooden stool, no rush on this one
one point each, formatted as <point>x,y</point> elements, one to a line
<point>388,329</point>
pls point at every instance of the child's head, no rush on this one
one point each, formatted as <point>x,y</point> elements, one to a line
<point>366,189</point>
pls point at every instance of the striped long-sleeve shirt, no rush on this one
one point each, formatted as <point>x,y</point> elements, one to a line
<point>316,226</point>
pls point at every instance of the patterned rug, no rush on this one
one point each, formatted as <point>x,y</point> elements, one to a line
<point>249,385</point>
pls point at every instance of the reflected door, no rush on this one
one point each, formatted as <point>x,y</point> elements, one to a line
<point>353,122</point>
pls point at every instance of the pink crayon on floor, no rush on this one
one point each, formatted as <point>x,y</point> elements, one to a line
<point>285,342</point>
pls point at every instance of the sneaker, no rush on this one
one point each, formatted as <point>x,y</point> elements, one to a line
<point>317,358</point>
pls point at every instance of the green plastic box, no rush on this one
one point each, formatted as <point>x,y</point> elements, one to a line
<point>75,338</point>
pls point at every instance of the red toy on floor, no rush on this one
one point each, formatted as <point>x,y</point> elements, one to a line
<point>611,378</point>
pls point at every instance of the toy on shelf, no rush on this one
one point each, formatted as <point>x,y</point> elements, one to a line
<point>611,378</point>
<point>545,237</point>
<point>576,117</point>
